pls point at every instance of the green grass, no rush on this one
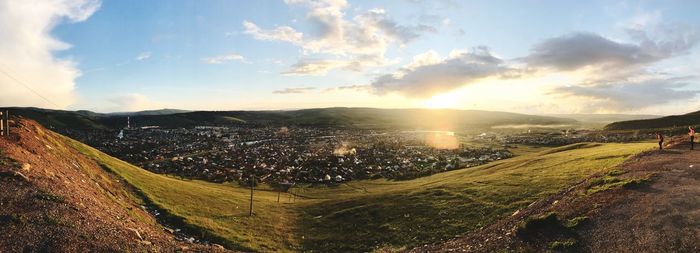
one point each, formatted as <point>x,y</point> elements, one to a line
<point>576,221</point>
<point>609,182</point>
<point>563,244</point>
<point>370,215</point>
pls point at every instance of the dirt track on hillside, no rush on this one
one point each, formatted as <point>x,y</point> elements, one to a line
<point>662,214</point>
<point>663,217</point>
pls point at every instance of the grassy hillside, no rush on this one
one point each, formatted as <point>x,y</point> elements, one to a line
<point>363,215</point>
<point>668,122</point>
<point>366,215</point>
<point>219,211</point>
<point>337,117</point>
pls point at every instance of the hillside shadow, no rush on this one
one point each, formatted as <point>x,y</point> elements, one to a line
<point>397,221</point>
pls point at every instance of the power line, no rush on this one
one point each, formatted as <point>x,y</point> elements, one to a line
<point>27,87</point>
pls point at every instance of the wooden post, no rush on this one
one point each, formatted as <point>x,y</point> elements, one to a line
<point>252,184</point>
<point>2,123</point>
<point>5,123</point>
<point>279,191</point>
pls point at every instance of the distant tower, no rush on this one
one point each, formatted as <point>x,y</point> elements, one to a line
<point>128,122</point>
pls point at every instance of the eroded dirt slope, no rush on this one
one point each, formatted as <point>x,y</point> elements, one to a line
<point>53,199</point>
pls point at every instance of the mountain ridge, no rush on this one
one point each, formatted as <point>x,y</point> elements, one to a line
<point>322,117</point>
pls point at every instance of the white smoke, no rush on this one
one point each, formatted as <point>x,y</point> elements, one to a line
<point>344,149</point>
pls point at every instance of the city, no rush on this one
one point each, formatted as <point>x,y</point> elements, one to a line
<point>290,155</point>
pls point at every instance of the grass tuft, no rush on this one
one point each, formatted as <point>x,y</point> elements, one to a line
<point>563,244</point>
<point>575,222</point>
<point>536,225</point>
<point>609,183</point>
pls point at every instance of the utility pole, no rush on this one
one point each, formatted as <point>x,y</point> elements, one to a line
<point>252,184</point>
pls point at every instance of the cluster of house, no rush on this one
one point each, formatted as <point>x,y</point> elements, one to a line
<point>563,137</point>
<point>286,155</point>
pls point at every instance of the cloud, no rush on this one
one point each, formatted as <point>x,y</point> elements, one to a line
<point>403,34</point>
<point>143,56</point>
<point>319,67</point>
<point>578,50</point>
<point>282,33</point>
<point>313,67</point>
<point>356,87</point>
<point>425,77</point>
<point>630,95</point>
<point>297,90</point>
<point>636,82</point>
<point>27,47</point>
<point>354,43</point>
<point>220,59</point>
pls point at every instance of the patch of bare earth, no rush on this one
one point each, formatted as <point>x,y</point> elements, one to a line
<point>53,199</point>
<point>651,203</point>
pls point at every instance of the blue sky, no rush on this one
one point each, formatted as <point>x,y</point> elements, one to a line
<point>215,55</point>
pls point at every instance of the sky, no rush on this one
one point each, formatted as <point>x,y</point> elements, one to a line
<point>526,56</point>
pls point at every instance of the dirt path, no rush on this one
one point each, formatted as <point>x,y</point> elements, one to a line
<point>663,217</point>
<point>658,212</point>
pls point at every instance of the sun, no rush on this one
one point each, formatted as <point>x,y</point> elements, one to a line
<point>441,101</point>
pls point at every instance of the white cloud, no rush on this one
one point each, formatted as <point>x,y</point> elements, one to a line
<point>428,58</point>
<point>355,43</point>
<point>143,56</point>
<point>427,76</point>
<point>313,67</point>
<point>220,59</point>
<point>26,51</point>
<point>629,96</point>
<point>639,80</point>
<point>577,50</point>
<point>296,90</point>
<point>282,33</point>
<point>446,21</point>
<point>354,87</point>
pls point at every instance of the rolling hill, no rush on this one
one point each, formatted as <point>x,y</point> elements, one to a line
<point>357,216</point>
<point>598,121</point>
<point>322,117</point>
<point>678,122</point>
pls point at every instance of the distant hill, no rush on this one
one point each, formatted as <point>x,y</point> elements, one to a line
<point>149,112</point>
<point>321,117</point>
<point>668,122</point>
<point>605,118</point>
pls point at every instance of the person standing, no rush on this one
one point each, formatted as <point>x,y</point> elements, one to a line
<point>692,137</point>
<point>661,140</point>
